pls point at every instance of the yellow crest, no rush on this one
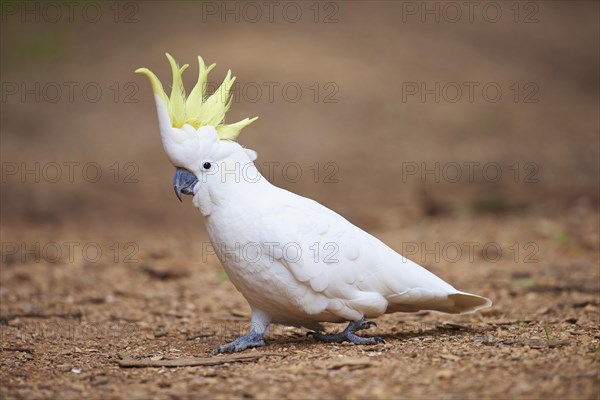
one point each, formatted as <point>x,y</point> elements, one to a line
<point>196,109</point>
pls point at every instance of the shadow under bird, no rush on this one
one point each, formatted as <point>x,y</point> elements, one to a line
<point>289,276</point>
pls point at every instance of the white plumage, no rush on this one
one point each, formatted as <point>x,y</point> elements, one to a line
<point>294,260</point>
<point>299,263</point>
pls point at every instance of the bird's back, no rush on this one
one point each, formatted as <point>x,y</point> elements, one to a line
<point>332,270</point>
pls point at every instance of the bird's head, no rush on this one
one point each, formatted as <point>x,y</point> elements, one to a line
<point>192,128</point>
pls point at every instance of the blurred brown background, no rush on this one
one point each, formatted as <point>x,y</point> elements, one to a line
<point>70,99</point>
<point>364,60</point>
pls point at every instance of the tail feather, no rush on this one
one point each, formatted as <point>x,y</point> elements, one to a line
<point>452,303</point>
<point>466,303</point>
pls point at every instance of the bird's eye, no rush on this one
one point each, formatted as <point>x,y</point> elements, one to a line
<point>206,165</point>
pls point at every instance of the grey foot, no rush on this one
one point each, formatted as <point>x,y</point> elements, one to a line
<point>241,343</point>
<point>348,334</point>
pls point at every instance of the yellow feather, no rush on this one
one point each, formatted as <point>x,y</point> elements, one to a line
<point>197,110</point>
<point>157,87</point>
<point>198,93</point>
<point>231,131</point>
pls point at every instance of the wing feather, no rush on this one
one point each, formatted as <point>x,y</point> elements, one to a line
<point>349,272</point>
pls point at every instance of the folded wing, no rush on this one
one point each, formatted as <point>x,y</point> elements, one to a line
<point>346,272</point>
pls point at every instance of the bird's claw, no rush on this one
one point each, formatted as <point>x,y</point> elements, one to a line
<point>352,338</point>
<point>348,334</point>
<point>241,343</point>
<point>366,325</point>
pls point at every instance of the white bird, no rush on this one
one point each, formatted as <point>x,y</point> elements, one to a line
<point>295,261</point>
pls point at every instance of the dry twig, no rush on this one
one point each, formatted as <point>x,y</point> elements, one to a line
<point>128,362</point>
<point>69,315</point>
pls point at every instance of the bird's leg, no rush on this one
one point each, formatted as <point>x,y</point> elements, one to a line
<point>348,335</point>
<point>258,327</point>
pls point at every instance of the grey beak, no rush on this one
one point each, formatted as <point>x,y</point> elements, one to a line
<point>184,182</point>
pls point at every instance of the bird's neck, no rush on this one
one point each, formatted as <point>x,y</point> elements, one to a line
<point>234,187</point>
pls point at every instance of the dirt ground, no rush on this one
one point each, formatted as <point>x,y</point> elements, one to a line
<point>65,327</point>
<point>96,274</point>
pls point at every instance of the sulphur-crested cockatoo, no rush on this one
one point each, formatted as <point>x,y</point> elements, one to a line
<point>295,261</point>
